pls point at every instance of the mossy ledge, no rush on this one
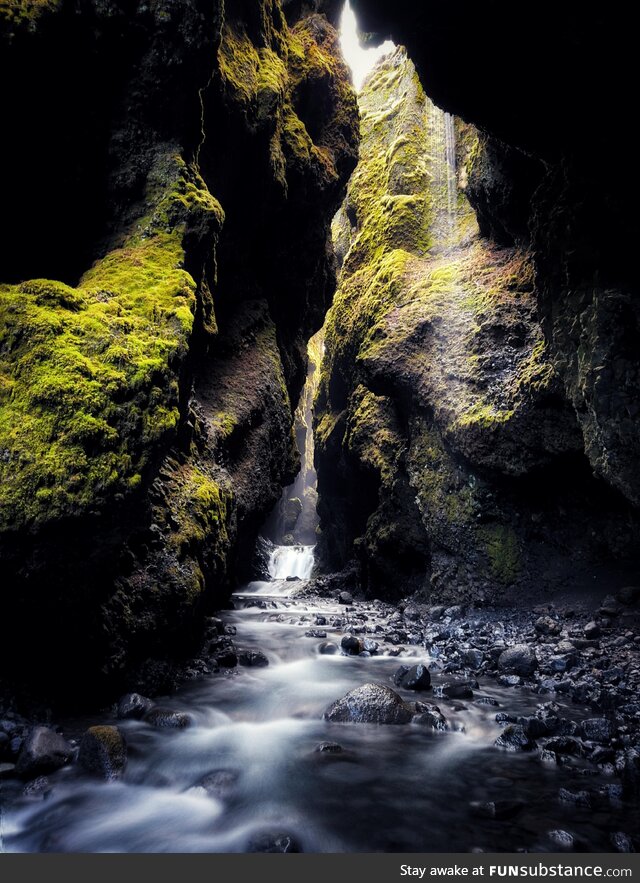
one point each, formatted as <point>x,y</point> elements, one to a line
<point>90,376</point>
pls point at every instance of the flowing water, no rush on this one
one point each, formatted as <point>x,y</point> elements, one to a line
<point>392,788</point>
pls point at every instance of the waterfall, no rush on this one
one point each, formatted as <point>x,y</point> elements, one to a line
<point>441,140</point>
<point>291,561</point>
<point>450,153</point>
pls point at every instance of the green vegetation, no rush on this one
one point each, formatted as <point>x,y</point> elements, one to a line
<point>501,546</point>
<point>89,376</point>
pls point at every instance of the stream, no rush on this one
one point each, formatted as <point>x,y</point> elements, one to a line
<point>248,773</point>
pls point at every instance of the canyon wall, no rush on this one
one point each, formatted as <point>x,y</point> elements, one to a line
<point>452,459</point>
<point>155,312</point>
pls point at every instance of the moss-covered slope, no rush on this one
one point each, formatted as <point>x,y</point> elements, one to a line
<point>439,402</point>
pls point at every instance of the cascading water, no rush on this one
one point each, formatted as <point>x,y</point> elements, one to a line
<point>441,140</point>
<point>291,561</point>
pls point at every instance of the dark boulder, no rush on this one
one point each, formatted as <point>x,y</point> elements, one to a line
<point>103,752</point>
<point>133,706</point>
<point>370,704</point>
<point>519,659</point>
<point>598,729</point>
<point>166,719</point>
<point>44,751</point>
<point>416,678</point>
<point>351,645</point>
<point>514,738</point>
<point>253,658</point>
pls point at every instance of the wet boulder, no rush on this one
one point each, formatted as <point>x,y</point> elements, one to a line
<point>415,677</point>
<point>519,659</point>
<point>44,751</point>
<point>328,648</point>
<point>562,839</point>
<point>133,706</point>
<point>37,789</point>
<point>370,704</point>
<point>598,729</point>
<point>273,841</point>
<point>345,598</point>
<point>103,752</point>
<point>351,645</point>
<point>514,738</point>
<point>167,719</point>
<point>621,842</point>
<point>253,658</point>
<point>430,716</point>
<point>546,625</point>
<point>329,748</point>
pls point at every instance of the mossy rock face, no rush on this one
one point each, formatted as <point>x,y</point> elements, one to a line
<point>149,378</point>
<point>440,399</point>
<point>90,375</point>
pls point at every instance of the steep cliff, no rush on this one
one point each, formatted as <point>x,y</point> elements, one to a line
<point>149,381</point>
<point>548,174</point>
<point>461,470</point>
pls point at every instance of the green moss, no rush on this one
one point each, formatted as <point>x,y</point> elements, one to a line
<point>501,546</point>
<point>536,373</point>
<point>482,413</point>
<point>16,14</point>
<point>371,435</point>
<point>90,375</point>
<point>442,492</point>
<point>203,509</point>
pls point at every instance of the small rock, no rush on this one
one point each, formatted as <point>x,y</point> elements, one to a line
<point>509,680</point>
<point>328,648</point>
<point>592,631</point>
<point>496,809</point>
<point>598,729</point>
<point>519,659</point>
<point>429,715</point>
<point>370,704</point>
<point>610,607</point>
<point>545,625</point>
<point>273,842</point>
<point>502,717</point>
<point>370,646</point>
<point>38,789</point>
<point>252,658</point>
<point>227,658</point>
<point>133,706</point>
<point>563,839</point>
<point>473,658</point>
<point>315,633</point>
<point>103,752</point>
<point>7,770</point>
<point>345,598</point>
<point>461,690</point>
<point>416,677</point>
<point>329,748</point>
<point>579,798</point>
<point>44,751</point>
<point>487,700</point>
<point>166,719</point>
<point>514,738</point>
<point>219,783</point>
<point>621,842</point>
<point>351,645</point>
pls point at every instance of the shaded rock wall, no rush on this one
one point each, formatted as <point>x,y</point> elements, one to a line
<point>461,469</point>
<point>146,400</point>
<point>548,97</point>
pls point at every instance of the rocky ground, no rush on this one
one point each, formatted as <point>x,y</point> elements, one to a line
<point>573,673</point>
